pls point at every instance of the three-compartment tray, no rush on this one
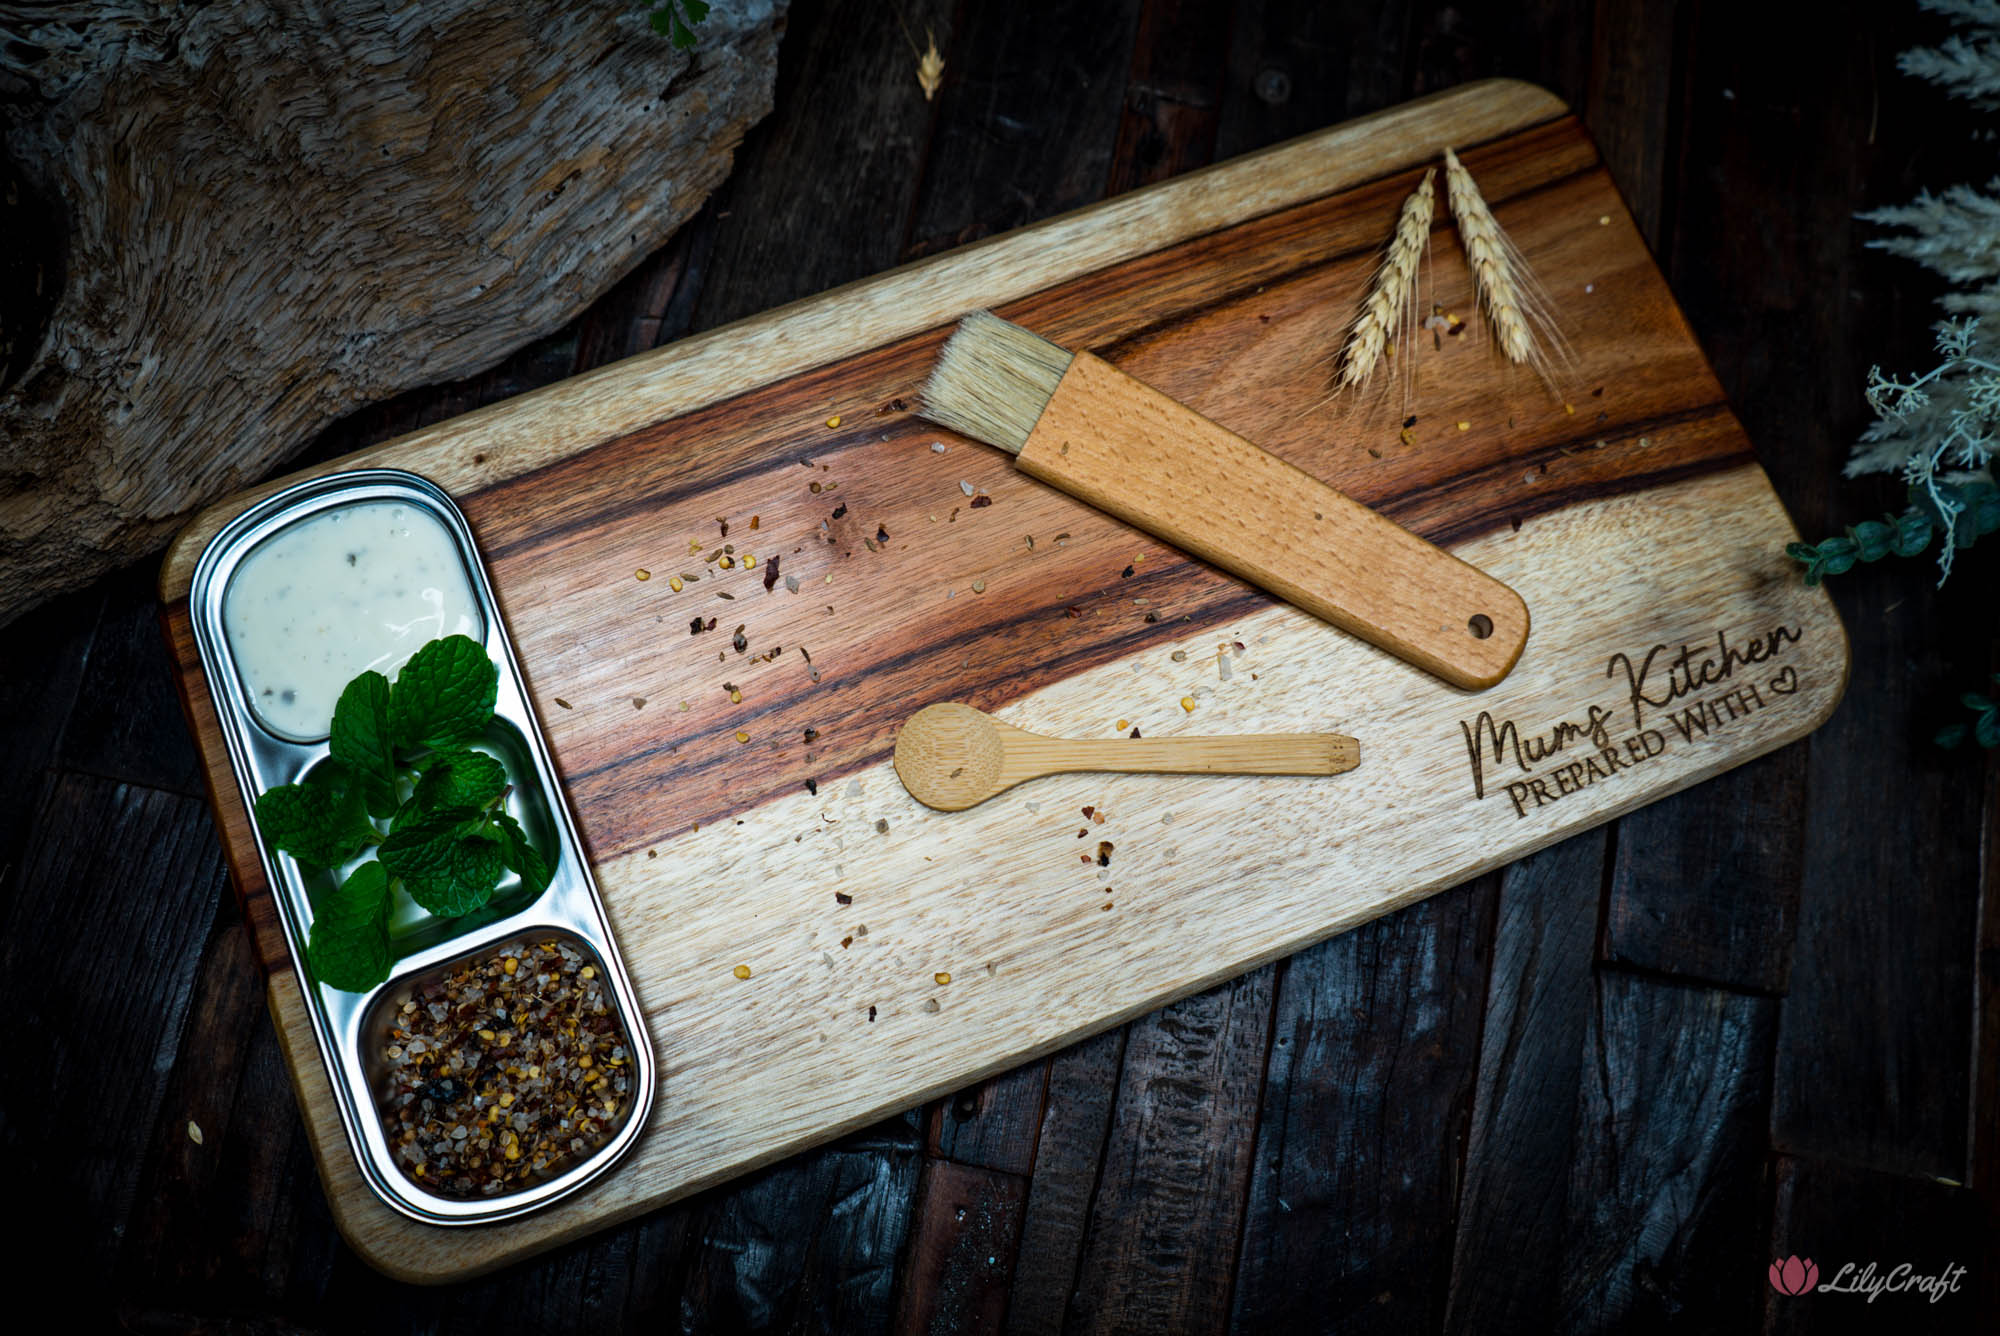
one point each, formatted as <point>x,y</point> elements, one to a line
<point>349,1027</point>
<point>1628,511</point>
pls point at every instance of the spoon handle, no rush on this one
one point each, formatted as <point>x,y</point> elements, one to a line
<point>1249,754</point>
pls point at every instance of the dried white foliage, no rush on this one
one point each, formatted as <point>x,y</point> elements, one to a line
<point>1965,64</point>
<point>1938,428</point>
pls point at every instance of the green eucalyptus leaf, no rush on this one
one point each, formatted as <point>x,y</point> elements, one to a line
<point>448,861</point>
<point>460,778</point>
<point>521,855</point>
<point>348,947</point>
<point>361,740</point>
<point>444,695</point>
<point>321,823</point>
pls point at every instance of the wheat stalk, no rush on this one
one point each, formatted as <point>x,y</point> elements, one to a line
<point>1508,292</point>
<point>1382,314</point>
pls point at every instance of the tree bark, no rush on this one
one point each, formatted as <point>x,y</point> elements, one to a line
<point>270,213</point>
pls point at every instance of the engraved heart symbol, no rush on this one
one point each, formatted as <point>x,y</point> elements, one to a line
<point>1786,680</point>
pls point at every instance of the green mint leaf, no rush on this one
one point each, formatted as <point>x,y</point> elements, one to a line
<point>460,779</point>
<point>361,740</point>
<point>349,945</point>
<point>444,695</point>
<point>319,823</point>
<point>522,856</point>
<point>447,861</point>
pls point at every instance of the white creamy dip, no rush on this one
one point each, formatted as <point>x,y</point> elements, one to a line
<point>325,599</point>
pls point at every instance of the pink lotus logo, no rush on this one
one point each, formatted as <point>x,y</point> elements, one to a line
<point>1794,1277</point>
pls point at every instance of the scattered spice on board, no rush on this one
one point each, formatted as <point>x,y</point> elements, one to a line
<point>643,573</point>
<point>1133,734</point>
<point>675,583</point>
<point>741,971</point>
<point>812,786</point>
<point>771,574</point>
<point>1125,574</point>
<point>565,704</point>
<point>842,898</point>
<point>882,826</point>
<point>840,510</point>
<point>833,421</point>
<point>504,1071</point>
<point>811,735</point>
<point>932,1005</point>
<point>740,641</point>
<point>638,702</point>
<point>813,486</point>
<point>981,501</point>
<point>943,977</point>
<point>871,1013</point>
<point>1187,703</point>
<point>741,736</point>
<point>194,1131</point>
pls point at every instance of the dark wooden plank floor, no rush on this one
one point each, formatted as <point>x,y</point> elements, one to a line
<point>1597,1091</point>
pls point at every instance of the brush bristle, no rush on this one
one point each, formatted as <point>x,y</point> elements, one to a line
<point>992,381</point>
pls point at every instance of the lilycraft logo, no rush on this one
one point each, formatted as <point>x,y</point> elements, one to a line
<point>1794,1277</point>
<point>1797,1276</point>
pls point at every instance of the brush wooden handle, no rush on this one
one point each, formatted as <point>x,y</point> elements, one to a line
<point>1157,464</point>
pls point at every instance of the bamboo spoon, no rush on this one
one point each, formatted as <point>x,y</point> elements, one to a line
<point>951,756</point>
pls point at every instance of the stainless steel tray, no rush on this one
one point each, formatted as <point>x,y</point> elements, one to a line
<point>421,945</point>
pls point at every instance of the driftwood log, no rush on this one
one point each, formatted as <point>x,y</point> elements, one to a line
<point>268,214</point>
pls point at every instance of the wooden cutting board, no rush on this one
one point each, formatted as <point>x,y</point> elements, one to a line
<point>1671,640</point>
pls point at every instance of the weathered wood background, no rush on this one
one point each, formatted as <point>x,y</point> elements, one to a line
<point>228,225</point>
<point>1599,1090</point>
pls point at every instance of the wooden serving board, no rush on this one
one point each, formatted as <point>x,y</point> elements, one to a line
<point>1670,640</point>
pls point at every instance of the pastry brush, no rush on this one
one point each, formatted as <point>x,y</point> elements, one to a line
<point>1081,425</point>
